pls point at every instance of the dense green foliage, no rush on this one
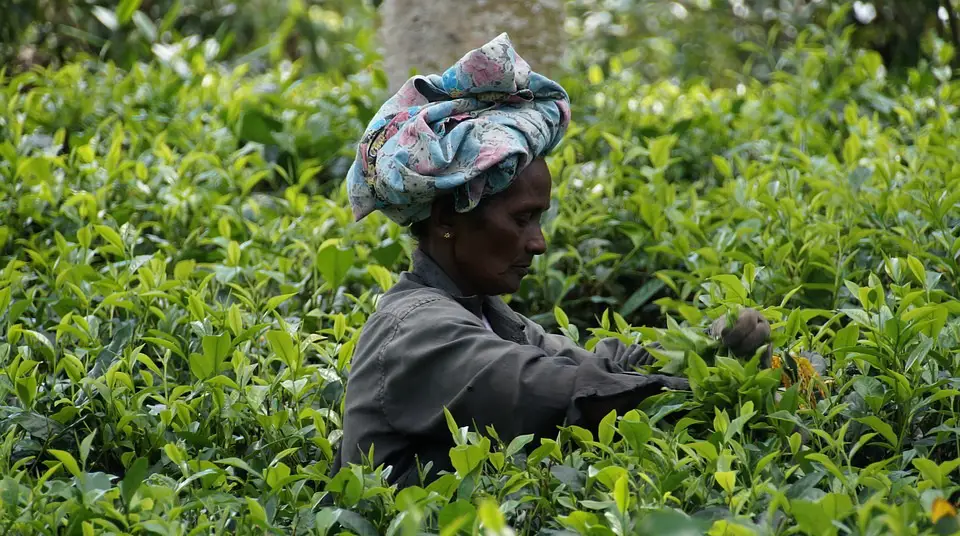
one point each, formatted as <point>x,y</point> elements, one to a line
<point>682,38</point>
<point>333,36</point>
<point>719,39</point>
<point>182,286</point>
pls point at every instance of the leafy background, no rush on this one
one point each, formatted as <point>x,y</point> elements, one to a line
<point>182,284</point>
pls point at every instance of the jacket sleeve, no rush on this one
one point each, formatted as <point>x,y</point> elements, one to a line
<point>438,357</point>
<point>626,356</point>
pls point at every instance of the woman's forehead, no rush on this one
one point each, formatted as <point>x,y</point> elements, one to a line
<point>530,191</point>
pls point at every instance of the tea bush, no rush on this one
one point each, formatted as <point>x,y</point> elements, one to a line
<point>182,287</point>
<point>691,38</point>
<point>332,35</point>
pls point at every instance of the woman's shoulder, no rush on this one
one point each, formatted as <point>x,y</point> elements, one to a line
<point>411,317</point>
<point>411,299</point>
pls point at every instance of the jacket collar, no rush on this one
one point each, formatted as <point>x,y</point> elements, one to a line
<point>502,319</point>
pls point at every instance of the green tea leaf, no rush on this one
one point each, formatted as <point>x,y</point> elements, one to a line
<point>85,447</point>
<point>145,25</point>
<point>202,366</point>
<point>636,433</point>
<point>930,470</point>
<point>106,17</point>
<point>216,348</point>
<point>235,320</point>
<point>126,10</point>
<point>381,276</point>
<point>133,479</point>
<point>257,126</point>
<point>284,347</point>
<point>669,522</point>
<point>621,494</point>
<point>325,520</point>
<point>111,236</point>
<point>275,301</point>
<point>660,148</point>
<point>608,427</point>
<point>561,317</point>
<point>723,167</point>
<point>348,486</point>
<point>4,299</point>
<point>811,518</point>
<point>334,263</point>
<point>917,270</point>
<point>274,476</point>
<point>595,74</point>
<point>919,353</point>
<point>257,512</point>
<point>68,462</point>
<point>882,428</point>
<point>517,444</point>
<point>490,516</point>
<point>466,458</point>
<point>727,480</point>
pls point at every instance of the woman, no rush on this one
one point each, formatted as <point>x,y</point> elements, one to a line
<point>460,158</point>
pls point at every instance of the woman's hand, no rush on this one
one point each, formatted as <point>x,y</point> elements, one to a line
<point>748,334</point>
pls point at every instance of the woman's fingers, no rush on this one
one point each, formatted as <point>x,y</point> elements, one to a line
<point>750,332</point>
<point>754,340</point>
<point>744,325</point>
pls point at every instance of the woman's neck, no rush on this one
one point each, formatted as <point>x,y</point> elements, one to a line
<point>443,258</point>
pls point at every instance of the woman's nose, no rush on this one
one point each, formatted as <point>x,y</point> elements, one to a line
<point>537,245</point>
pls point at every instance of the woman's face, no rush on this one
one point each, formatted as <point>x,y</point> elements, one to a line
<point>494,245</point>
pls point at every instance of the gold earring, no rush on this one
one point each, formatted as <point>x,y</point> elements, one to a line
<point>447,235</point>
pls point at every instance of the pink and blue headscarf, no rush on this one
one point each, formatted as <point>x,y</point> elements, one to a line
<point>468,132</point>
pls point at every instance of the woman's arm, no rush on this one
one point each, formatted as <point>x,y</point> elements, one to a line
<point>624,355</point>
<point>440,356</point>
<point>750,332</point>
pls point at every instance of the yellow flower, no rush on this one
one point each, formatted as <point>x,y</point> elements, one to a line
<point>777,362</point>
<point>941,508</point>
<point>807,376</point>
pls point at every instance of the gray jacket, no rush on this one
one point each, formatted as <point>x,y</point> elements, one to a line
<point>427,347</point>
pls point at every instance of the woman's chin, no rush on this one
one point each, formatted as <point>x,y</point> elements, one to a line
<point>513,281</point>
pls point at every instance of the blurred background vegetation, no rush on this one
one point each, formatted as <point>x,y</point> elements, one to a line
<point>721,43</point>
<point>682,39</point>
<point>331,36</point>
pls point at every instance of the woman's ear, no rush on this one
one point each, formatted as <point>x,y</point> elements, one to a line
<point>443,219</point>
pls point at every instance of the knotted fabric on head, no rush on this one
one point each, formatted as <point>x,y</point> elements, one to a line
<point>469,132</point>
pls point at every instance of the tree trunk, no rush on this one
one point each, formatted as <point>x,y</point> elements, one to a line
<point>430,35</point>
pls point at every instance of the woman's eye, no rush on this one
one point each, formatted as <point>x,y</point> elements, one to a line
<point>522,219</point>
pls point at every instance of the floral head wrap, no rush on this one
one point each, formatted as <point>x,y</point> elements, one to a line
<point>470,132</point>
